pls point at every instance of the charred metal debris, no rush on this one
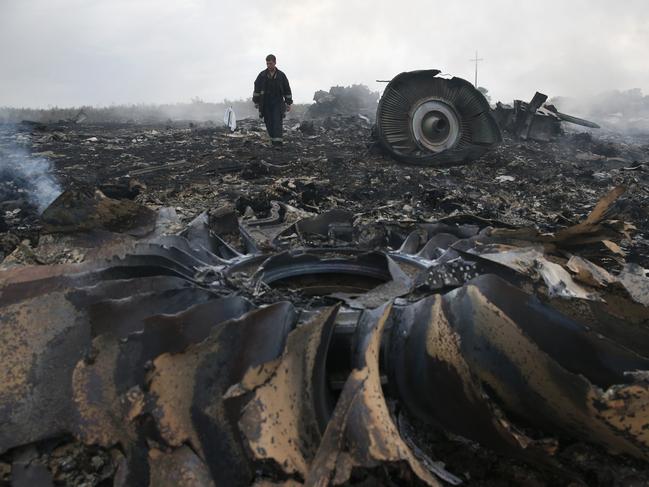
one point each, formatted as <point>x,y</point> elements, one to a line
<point>334,318</point>
<point>424,119</point>
<point>535,120</point>
<point>284,351</point>
<point>428,120</point>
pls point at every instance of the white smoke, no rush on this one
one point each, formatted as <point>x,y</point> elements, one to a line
<point>33,176</point>
<point>626,112</point>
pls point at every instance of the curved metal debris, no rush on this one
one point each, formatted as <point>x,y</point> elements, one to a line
<point>290,408</point>
<point>496,351</point>
<point>422,119</point>
<point>536,119</point>
<point>459,329</point>
<point>188,389</point>
<point>361,432</point>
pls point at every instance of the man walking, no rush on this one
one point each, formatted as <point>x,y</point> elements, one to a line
<point>272,96</point>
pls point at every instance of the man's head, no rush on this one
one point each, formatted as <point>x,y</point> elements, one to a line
<point>270,62</point>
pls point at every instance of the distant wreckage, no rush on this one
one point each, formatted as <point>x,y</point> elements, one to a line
<point>423,119</point>
<point>426,120</point>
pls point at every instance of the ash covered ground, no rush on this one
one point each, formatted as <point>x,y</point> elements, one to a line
<point>326,164</point>
<point>332,163</point>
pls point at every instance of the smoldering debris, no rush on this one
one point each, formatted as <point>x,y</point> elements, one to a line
<point>536,119</point>
<point>344,100</point>
<point>85,210</point>
<point>620,111</point>
<point>26,180</point>
<point>28,184</point>
<point>321,315</point>
<point>186,340</point>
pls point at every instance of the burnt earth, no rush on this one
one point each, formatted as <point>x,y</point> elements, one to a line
<point>334,164</point>
<point>522,183</point>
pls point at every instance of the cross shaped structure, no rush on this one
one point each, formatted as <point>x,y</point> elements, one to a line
<point>476,60</point>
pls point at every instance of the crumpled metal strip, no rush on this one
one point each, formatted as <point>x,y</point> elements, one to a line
<point>45,321</point>
<point>188,388</point>
<point>530,261</point>
<point>585,370</point>
<point>121,317</point>
<point>282,422</point>
<point>537,364</point>
<point>108,388</point>
<point>434,382</point>
<point>361,432</point>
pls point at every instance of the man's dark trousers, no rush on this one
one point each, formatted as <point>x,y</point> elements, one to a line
<point>273,112</point>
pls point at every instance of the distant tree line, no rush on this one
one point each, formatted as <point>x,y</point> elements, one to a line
<point>339,100</point>
<point>197,110</point>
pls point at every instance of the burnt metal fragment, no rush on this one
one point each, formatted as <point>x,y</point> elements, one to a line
<point>189,389</point>
<point>361,432</point>
<point>427,120</point>
<point>492,349</point>
<point>535,119</point>
<point>291,406</point>
<point>471,331</point>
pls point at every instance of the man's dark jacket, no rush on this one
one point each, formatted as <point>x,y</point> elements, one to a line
<point>260,95</point>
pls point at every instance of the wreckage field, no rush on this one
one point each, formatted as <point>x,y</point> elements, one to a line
<point>329,163</point>
<point>184,305</point>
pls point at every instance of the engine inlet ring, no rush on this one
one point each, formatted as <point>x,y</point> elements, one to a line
<point>435,126</point>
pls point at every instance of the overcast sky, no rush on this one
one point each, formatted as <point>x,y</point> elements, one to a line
<point>100,52</point>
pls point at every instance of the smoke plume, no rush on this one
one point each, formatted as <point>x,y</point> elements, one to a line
<point>23,176</point>
<point>621,111</point>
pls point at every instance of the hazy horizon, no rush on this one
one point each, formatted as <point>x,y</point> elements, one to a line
<point>74,52</point>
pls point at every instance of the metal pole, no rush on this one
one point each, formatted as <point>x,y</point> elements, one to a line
<point>476,67</point>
